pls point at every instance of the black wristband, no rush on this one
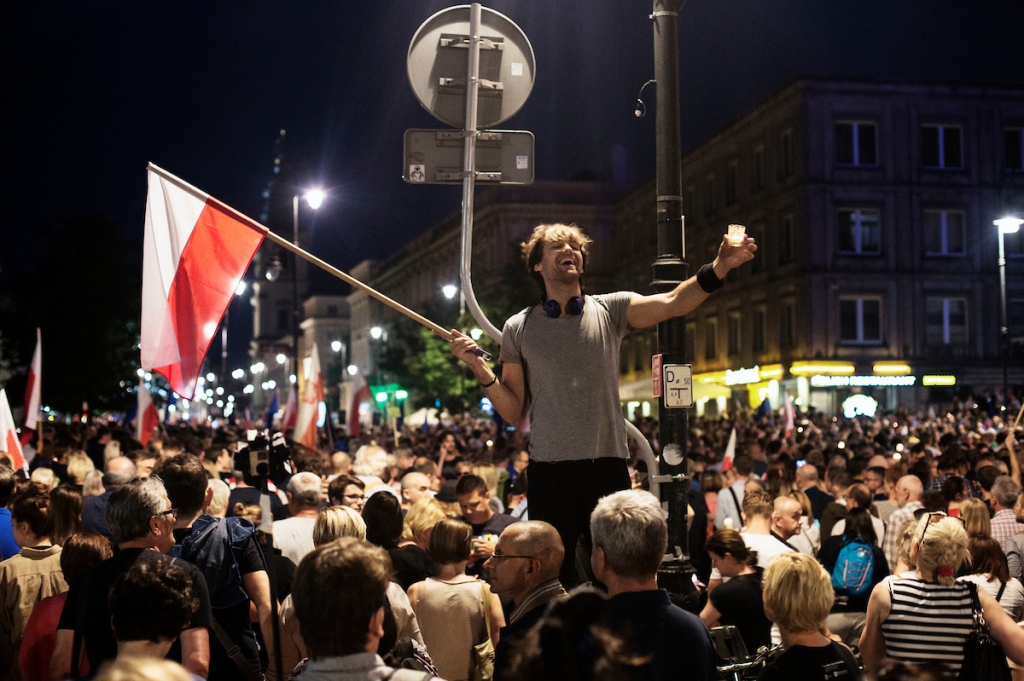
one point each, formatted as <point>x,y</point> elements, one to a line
<point>708,280</point>
<point>488,385</point>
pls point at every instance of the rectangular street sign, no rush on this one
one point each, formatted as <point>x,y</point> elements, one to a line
<point>436,156</point>
<point>678,386</point>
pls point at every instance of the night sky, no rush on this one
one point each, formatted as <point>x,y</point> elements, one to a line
<point>93,91</point>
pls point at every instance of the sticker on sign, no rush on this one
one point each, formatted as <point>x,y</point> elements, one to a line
<point>678,386</point>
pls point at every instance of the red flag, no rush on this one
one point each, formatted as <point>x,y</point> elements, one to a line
<point>290,410</point>
<point>309,409</point>
<point>9,434</point>
<point>790,415</point>
<point>33,391</point>
<point>195,252</point>
<point>730,452</point>
<point>360,394</point>
<point>146,417</point>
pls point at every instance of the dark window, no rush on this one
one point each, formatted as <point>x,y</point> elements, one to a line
<point>1013,139</point>
<point>787,325</point>
<point>758,344</point>
<point>946,321</point>
<point>786,154</point>
<point>757,171</point>
<point>734,334</point>
<point>332,310</point>
<point>709,195</point>
<point>787,237</point>
<point>757,232</point>
<point>282,320</point>
<point>855,144</point>
<point>711,339</point>
<point>860,320</point>
<point>940,147</point>
<point>944,232</point>
<point>689,202</point>
<point>730,183</point>
<point>859,232</point>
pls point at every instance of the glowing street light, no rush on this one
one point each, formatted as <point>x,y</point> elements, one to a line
<point>211,377</point>
<point>449,291</point>
<point>1006,225</point>
<point>376,332</point>
<point>315,198</point>
<point>237,374</point>
<point>476,333</point>
<point>282,358</point>
<point>353,370</point>
<point>240,289</point>
<point>336,345</point>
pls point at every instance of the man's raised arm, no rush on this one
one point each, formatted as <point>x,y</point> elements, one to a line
<point>507,393</point>
<point>647,311</point>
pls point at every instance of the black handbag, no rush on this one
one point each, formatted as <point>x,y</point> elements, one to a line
<point>983,656</point>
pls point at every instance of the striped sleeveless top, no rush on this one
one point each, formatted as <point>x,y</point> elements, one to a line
<point>928,622</point>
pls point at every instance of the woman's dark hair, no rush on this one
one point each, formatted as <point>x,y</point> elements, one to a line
<point>987,558</point>
<point>34,509</point>
<point>451,541</point>
<point>729,541</point>
<point>153,601</point>
<point>953,487</point>
<point>81,552</point>
<point>383,517</point>
<point>66,502</point>
<point>858,524</point>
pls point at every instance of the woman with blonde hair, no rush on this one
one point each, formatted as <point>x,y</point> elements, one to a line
<point>976,519</point>
<point>798,596</point>
<point>143,669</point>
<point>420,522</point>
<point>928,618</point>
<point>93,485</point>
<point>79,464</point>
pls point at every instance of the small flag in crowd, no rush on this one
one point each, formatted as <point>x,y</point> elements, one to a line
<point>789,414</point>
<point>360,394</point>
<point>730,452</point>
<point>291,409</point>
<point>268,420</point>
<point>765,409</point>
<point>33,391</point>
<point>9,433</point>
<point>146,416</point>
<point>309,409</point>
<point>195,252</point>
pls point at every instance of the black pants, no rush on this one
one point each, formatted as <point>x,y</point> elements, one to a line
<point>565,493</point>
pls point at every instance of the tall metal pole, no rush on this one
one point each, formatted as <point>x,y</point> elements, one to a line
<point>295,293</point>
<point>669,272</point>
<point>1003,330</point>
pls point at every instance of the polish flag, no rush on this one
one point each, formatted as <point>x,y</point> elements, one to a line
<point>9,434</point>
<point>196,250</point>
<point>790,415</point>
<point>730,452</point>
<point>290,410</point>
<point>33,391</point>
<point>360,394</point>
<point>146,416</point>
<point>309,409</point>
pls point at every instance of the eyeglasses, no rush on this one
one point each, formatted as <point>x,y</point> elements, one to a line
<point>936,517</point>
<point>173,512</point>
<point>499,556</point>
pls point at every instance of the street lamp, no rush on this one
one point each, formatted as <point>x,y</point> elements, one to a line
<point>376,332</point>
<point>1007,225</point>
<point>449,291</point>
<point>314,198</point>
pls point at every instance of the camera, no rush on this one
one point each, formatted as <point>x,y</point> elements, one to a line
<point>264,455</point>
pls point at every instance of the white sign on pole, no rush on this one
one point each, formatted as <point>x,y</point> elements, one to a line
<point>678,386</point>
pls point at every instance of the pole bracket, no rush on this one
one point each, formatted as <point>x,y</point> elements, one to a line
<point>663,13</point>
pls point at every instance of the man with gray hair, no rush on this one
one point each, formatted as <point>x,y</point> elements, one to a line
<point>524,566</point>
<point>630,535</point>
<point>1004,522</point>
<point>141,519</point>
<point>909,491</point>
<point>116,472</point>
<point>294,535</point>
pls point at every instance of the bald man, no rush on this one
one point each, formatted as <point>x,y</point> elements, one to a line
<point>807,481</point>
<point>786,524</point>
<point>524,567</point>
<point>909,491</point>
<point>415,486</point>
<point>118,471</point>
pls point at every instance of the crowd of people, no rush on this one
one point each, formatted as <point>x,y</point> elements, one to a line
<point>836,541</point>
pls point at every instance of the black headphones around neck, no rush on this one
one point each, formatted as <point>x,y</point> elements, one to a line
<point>573,307</point>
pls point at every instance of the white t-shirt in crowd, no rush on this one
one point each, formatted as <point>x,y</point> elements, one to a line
<point>767,547</point>
<point>294,536</point>
<point>1012,599</point>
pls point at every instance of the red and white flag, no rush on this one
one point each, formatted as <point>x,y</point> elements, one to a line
<point>9,434</point>
<point>146,416</point>
<point>291,410</point>
<point>196,250</point>
<point>360,394</point>
<point>730,452</point>
<point>787,408</point>
<point>309,409</point>
<point>33,391</point>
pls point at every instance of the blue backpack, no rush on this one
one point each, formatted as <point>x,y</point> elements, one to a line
<point>854,568</point>
<point>215,547</point>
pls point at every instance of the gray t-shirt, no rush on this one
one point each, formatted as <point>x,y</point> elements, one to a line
<point>572,371</point>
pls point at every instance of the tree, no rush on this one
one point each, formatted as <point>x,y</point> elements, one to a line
<point>85,295</point>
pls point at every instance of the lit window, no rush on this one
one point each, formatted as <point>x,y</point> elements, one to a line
<point>946,321</point>
<point>859,232</point>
